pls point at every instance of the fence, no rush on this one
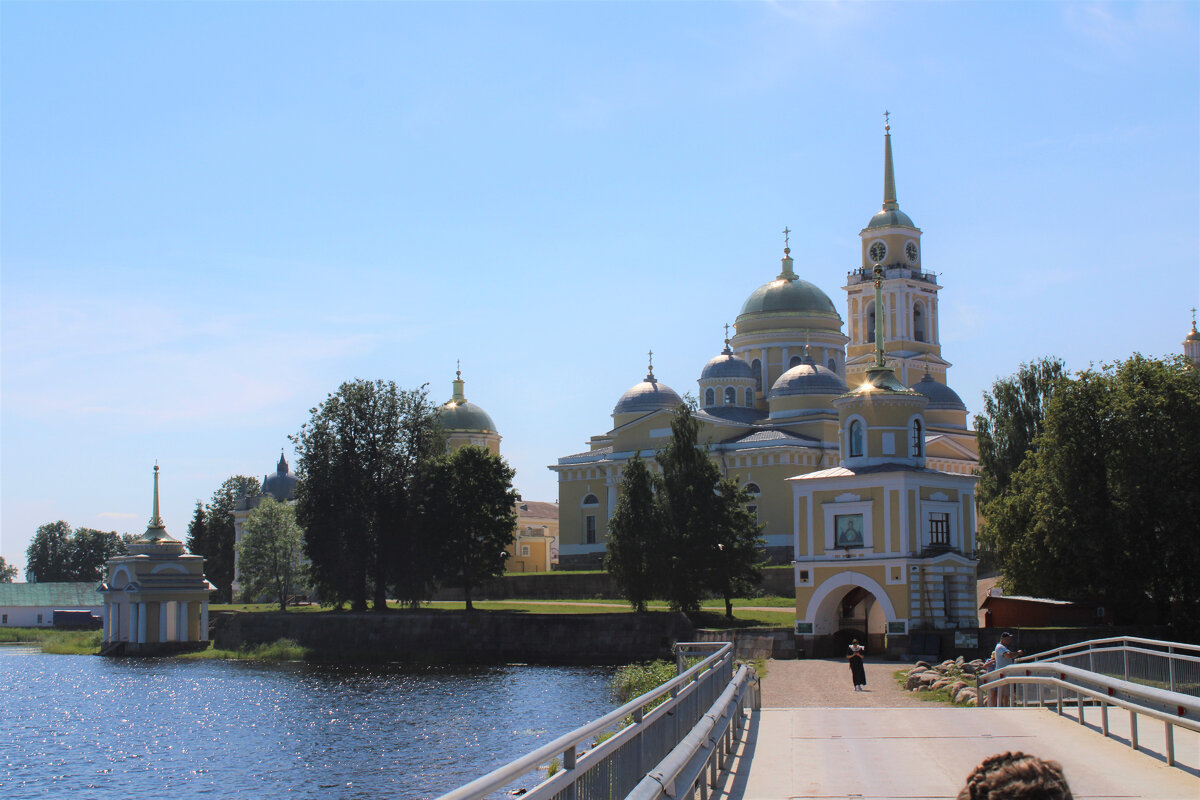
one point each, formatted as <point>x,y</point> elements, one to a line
<point>1152,662</point>
<point>689,734</point>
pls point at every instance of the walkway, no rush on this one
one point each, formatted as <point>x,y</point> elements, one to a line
<point>815,737</point>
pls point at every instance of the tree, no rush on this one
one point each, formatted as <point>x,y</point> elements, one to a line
<point>90,549</point>
<point>1011,422</point>
<point>359,456</point>
<point>636,535</point>
<point>7,573</point>
<point>218,539</point>
<point>48,558</point>
<point>269,553</point>
<point>689,483</point>
<point>468,502</point>
<point>1104,506</point>
<point>736,568</point>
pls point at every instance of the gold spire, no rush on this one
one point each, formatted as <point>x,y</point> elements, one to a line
<point>889,177</point>
<point>155,530</point>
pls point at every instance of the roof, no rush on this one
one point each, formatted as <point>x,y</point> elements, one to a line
<point>1019,598</point>
<point>726,365</point>
<point>51,595</point>
<point>795,295</point>
<point>773,436</point>
<point>533,508</point>
<point>649,395</point>
<point>586,455</point>
<point>729,414</point>
<point>463,415</point>
<point>941,396</point>
<point>846,472</point>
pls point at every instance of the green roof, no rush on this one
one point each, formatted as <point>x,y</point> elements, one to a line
<point>55,595</point>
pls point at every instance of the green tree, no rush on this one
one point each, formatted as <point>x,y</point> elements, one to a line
<point>737,560</point>
<point>1012,420</point>
<point>468,501</point>
<point>269,553</point>
<point>48,558</point>
<point>359,457</point>
<point>7,573</point>
<point>197,532</point>
<point>636,536</point>
<point>1104,507</point>
<point>90,549</point>
<point>690,504</point>
<point>217,544</point>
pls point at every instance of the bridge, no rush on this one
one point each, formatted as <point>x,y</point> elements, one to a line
<point>1121,715</point>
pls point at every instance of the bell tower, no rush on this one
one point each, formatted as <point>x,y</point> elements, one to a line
<point>910,294</point>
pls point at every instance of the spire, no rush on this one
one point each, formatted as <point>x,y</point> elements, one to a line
<point>282,467</point>
<point>458,397</point>
<point>889,177</point>
<point>155,529</point>
<point>650,369</point>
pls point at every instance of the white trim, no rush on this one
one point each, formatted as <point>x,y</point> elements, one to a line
<point>850,578</point>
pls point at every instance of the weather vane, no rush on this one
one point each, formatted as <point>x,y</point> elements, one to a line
<point>887,127</point>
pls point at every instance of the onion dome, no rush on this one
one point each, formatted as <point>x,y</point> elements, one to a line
<point>726,366</point>
<point>1194,335</point>
<point>807,377</point>
<point>281,485</point>
<point>647,396</point>
<point>890,216</point>
<point>460,414</point>
<point>941,397</point>
<point>788,293</point>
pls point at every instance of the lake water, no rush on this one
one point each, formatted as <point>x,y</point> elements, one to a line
<point>87,727</point>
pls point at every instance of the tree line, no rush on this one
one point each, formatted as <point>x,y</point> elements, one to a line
<point>59,553</point>
<point>685,533</point>
<point>1090,485</point>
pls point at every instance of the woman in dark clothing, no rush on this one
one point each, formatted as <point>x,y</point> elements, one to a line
<point>855,656</point>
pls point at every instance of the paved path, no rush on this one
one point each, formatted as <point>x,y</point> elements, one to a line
<point>815,737</point>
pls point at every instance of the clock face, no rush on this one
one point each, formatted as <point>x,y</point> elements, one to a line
<point>910,250</point>
<point>877,252</point>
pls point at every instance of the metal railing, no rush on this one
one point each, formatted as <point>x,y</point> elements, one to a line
<point>700,714</point>
<point>1100,674</point>
<point>1153,662</point>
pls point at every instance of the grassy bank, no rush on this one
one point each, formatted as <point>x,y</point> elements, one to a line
<point>278,650</point>
<point>53,640</point>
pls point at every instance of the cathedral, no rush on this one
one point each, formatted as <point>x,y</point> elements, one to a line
<point>844,430</point>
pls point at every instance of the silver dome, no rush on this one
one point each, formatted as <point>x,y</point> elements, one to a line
<point>941,397</point>
<point>807,377</point>
<point>727,365</point>
<point>649,395</point>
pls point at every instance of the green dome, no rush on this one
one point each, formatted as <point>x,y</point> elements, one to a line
<point>890,218</point>
<point>466,416</point>
<point>785,295</point>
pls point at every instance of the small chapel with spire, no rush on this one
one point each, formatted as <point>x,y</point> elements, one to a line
<point>155,596</point>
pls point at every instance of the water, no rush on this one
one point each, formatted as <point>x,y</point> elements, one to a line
<point>92,727</point>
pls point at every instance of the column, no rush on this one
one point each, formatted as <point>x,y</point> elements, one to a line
<point>143,611</point>
<point>203,621</point>
<point>131,636</point>
<point>107,617</point>
<point>162,620</point>
<point>181,622</point>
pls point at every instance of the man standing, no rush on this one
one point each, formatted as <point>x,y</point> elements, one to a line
<point>1004,656</point>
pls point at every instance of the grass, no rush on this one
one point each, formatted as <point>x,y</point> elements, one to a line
<point>58,642</point>
<point>278,650</point>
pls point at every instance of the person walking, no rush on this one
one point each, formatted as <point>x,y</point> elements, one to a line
<point>855,656</point>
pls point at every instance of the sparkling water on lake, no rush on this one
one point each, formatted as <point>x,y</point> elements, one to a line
<point>87,727</point>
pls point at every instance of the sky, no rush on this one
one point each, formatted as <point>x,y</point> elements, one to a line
<point>213,214</point>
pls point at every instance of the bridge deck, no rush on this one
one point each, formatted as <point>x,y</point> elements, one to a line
<point>926,753</point>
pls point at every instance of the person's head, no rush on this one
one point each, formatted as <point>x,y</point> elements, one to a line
<point>1016,776</point>
<point>1005,638</point>
<point>854,641</point>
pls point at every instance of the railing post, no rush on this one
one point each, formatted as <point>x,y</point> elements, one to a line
<point>1171,665</point>
<point>1133,738</point>
<point>1104,718</point>
<point>1125,658</point>
<point>1058,698</point>
<point>570,791</point>
<point>1170,732</point>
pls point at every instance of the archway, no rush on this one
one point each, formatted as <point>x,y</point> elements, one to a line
<point>849,606</point>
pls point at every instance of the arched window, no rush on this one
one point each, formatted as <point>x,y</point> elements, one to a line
<point>730,396</point>
<point>756,365</point>
<point>918,323</point>
<point>710,397</point>
<point>589,520</point>
<point>749,397</point>
<point>591,500</point>
<point>918,439</point>
<point>856,438</point>
<point>833,365</point>
<point>870,315</point>
<point>753,490</point>
<point>793,361</point>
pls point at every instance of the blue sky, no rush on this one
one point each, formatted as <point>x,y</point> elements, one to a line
<point>213,214</point>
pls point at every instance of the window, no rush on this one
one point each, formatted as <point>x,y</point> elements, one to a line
<point>856,438</point>
<point>5,620</point>
<point>730,396</point>
<point>589,529</point>
<point>591,500</point>
<point>753,490</point>
<point>749,397</point>
<point>710,397</point>
<point>525,551</point>
<point>918,323</point>
<point>833,365</point>
<point>939,528</point>
<point>39,619</point>
<point>870,322</point>
<point>918,438</point>
<point>794,361</point>
<point>757,366</point>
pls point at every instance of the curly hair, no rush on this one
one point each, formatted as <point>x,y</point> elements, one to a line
<point>1016,776</point>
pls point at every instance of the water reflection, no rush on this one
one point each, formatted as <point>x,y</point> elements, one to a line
<point>134,728</point>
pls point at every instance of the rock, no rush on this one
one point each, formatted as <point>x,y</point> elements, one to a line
<point>923,664</point>
<point>957,685</point>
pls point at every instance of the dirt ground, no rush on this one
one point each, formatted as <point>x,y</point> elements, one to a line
<point>825,683</point>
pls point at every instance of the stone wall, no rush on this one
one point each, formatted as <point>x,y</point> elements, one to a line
<point>584,585</point>
<point>493,637</point>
